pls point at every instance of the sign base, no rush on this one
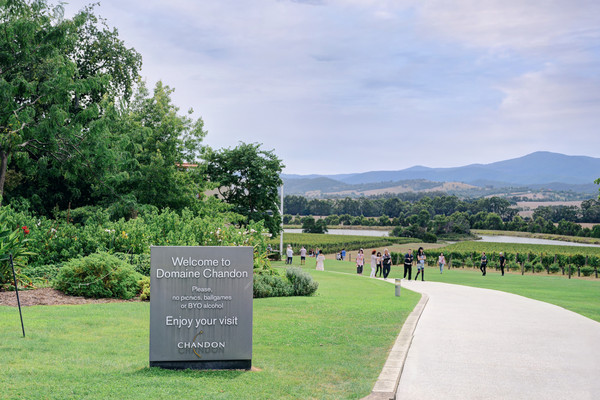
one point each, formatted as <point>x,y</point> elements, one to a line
<point>225,364</point>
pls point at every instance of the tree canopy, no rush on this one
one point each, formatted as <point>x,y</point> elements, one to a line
<point>56,76</point>
<point>247,178</point>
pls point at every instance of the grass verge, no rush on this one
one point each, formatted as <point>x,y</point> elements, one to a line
<point>579,295</point>
<point>329,346</point>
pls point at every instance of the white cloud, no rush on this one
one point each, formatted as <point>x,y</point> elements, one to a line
<point>345,85</point>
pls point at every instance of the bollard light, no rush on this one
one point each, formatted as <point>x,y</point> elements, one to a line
<point>398,286</point>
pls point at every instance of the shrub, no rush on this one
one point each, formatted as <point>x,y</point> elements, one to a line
<point>144,285</point>
<point>266,285</point>
<point>98,275</point>
<point>554,268</point>
<point>528,266</point>
<point>140,262</point>
<point>429,237</point>
<point>538,267</point>
<point>587,271</point>
<point>301,281</point>
<point>514,266</point>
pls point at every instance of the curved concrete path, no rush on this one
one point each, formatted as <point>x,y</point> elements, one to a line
<point>475,343</point>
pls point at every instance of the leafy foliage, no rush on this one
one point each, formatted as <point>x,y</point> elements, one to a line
<point>248,179</point>
<point>99,275</point>
<point>301,281</point>
<point>56,75</point>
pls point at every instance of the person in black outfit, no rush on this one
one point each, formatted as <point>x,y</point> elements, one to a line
<point>483,264</point>
<point>420,264</point>
<point>386,261</point>
<point>379,269</point>
<point>408,260</point>
<point>502,262</point>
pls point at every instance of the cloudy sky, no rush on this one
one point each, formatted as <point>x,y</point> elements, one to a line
<point>340,86</point>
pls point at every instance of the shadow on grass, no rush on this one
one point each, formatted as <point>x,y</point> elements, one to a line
<point>189,373</point>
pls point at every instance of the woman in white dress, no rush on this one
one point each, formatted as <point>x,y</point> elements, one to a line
<point>320,260</point>
<point>373,263</point>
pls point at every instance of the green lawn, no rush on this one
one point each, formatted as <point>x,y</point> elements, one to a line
<point>329,346</point>
<point>579,295</point>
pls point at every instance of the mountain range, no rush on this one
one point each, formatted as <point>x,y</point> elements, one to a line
<point>539,170</point>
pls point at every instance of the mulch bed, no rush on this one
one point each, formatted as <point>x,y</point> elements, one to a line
<point>47,297</point>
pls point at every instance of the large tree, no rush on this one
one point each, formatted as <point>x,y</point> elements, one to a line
<point>155,151</point>
<point>55,75</point>
<point>247,178</point>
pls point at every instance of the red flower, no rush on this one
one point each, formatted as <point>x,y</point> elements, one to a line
<point>25,230</point>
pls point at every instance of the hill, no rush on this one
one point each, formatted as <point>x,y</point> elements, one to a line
<point>536,171</point>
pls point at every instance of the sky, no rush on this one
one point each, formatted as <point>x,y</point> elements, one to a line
<point>336,86</point>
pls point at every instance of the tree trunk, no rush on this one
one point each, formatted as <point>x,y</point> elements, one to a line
<point>3,165</point>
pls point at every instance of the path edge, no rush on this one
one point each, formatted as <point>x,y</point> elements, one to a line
<point>387,382</point>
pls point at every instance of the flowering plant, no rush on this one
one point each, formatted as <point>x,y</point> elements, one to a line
<point>12,241</point>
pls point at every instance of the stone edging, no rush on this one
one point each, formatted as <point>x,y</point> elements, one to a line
<point>387,382</point>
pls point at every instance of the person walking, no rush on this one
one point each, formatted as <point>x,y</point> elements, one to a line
<point>441,262</point>
<point>360,262</point>
<point>373,264</point>
<point>420,264</point>
<point>483,263</point>
<point>408,260</point>
<point>290,254</point>
<point>386,263</point>
<point>343,254</point>
<point>379,269</point>
<point>302,256</point>
<point>320,261</point>
<point>502,262</point>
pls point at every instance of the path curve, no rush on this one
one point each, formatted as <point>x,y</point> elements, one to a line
<point>473,343</point>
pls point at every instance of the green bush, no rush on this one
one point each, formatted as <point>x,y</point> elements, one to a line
<point>538,267</point>
<point>587,271</point>
<point>554,268</point>
<point>301,281</point>
<point>429,237</point>
<point>267,285</point>
<point>144,285</point>
<point>514,266</point>
<point>528,266</point>
<point>98,275</point>
<point>41,273</point>
<point>140,262</point>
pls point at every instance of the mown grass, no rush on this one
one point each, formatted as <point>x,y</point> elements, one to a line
<point>329,346</point>
<point>579,295</point>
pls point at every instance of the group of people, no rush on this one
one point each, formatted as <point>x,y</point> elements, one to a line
<point>382,263</point>
<point>421,257</point>
<point>483,265</point>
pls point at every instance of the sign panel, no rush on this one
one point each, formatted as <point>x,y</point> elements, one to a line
<point>201,307</point>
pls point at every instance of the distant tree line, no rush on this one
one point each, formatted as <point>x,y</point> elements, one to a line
<point>428,217</point>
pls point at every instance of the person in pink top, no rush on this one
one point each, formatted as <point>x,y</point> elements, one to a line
<point>360,262</point>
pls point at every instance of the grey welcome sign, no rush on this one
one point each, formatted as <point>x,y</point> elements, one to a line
<point>201,307</point>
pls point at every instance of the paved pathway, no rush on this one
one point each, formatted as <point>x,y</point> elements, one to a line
<point>475,343</point>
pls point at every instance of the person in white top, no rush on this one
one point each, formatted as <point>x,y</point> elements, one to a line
<point>302,256</point>
<point>373,263</point>
<point>290,254</point>
<point>441,262</point>
<point>320,261</point>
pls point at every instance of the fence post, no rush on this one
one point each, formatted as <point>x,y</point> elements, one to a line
<point>569,268</point>
<point>522,269</point>
<point>578,271</point>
